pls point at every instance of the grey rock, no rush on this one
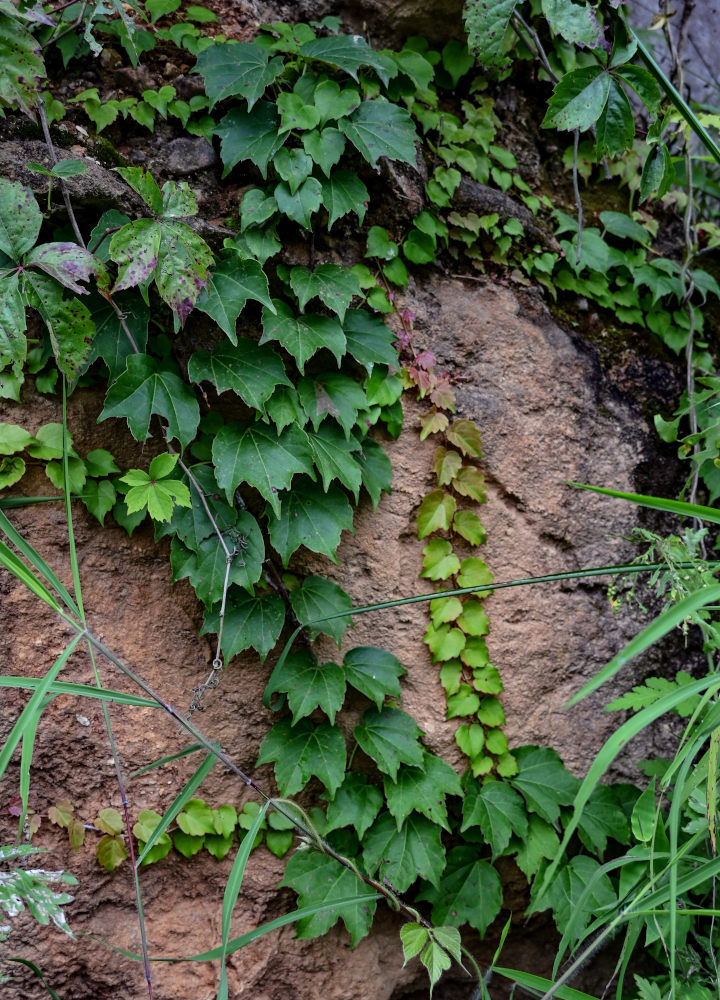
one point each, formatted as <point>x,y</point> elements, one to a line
<point>187,156</point>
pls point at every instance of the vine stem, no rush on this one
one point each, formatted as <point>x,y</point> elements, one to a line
<point>63,187</point>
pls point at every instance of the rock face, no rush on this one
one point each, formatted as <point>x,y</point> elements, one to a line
<point>548,413</point>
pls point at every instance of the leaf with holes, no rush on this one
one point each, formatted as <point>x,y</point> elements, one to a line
<point>317,597</point>
<point>498,810</point>
<point>250,622</point>
<point>343,192</point>
<point>374,673</point>
<point>356,803</point>
<point>402,856</point>
<point>250,135</point>
<point>390,737</point>
<point>378,128</point>
<point>334,458</point>
<point>302,751</point>
<point>349,53</point>
<point>334,285</point>
<point>252,372</point>
<point>469,891</point>
<point>302,336</point>
<point>256,455</point>
<point>68,321</point>
<point>237,69</point>
<point>146,388</point>
<point>308,685</point>
<point>232,283</point>
<point>311,518</point>
<point>423,789</point>
<point>320,880</point>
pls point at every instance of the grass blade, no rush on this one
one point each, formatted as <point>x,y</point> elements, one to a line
<point>36,560</point>
<point>28,713</point>
<point>26,755</point>
<point>539,985</point>
<point>658,503</point>
<point>82,690</point>
<point>178,803</point>
<point>657,628</point>
<point>10,503</point>
<point>165,760</point>
<point>13,564</point>
<point>232,891</point>
<point>33,968</point>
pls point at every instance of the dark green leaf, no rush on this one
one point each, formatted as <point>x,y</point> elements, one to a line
<point>319,879</point>
<point>311,518</point>
<point>486,25</point>
<point>317,597</point>
<point>402,856</point>
<point>540,842</point>
<point>250,136</point>
<point>390,737</point>
<point>302,751</point>
<point>326,147</point>
<point>644,84</point>
<point>568,885</point>
<point>355,804</point>
<point>578,99</point>
<point>294,166</point>
<point>369,340</point>
<point>146,388</point>
<point>249,622</point>
<point>615,128</point>
<point>236,69</point>
<point>423,789</point>
<point>207,570</point>
<point>295,113</point>
<point>602,817</point>
<point>658,173</point>
<point>349,53</point>
<point>331,394</point>
<point>284,408</point>
<point>68,321</point>
<point>256,455</point>
<point>575,23</point>
<point>334,285</point>
<point>344,192</point>
<point>378,128</point>
<point>497,809</point>
<point>470,891</point>
<point>332,102</point>
<point>333,457</point>
<point>256,208</point>
<point>111,342</point>
<point>302,336</point>
<point>232,283</point>
<point>308,684</point>
<point>376,469</point>
<point>251,371</point>
<point>373,672</point>
<point>543,780</point>
<point>300,204</point>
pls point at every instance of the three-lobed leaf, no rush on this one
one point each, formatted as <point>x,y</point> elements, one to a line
<point>302,751</point>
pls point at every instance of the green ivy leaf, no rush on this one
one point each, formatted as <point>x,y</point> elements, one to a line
<point>445,609</point>
<point>250,135</point>
<point>603,817</point>
<point>250,622</point>
<point>302,751</point>
<point>355,804</point>
<point>436,514</point>
<point>334,285</point>
<point>13,324</point>
<point>145,388</point>
<point>466,437</point>
<point>643,83</point>
<point>256,208</point>
<point>615,129</point>
<point>332,394</point>
<point>311,518</point>
<point>474,573</point>
<point>207,566</point>
<point>237,69</point>
<point>193,524</point>
<point>111,343</point>
<point>498,810</point>
<point>577,25</point>
<point>390,737</point>
<point>11,471</point>
<point>374,673</point>
<point>469,482</point>
<point>251,371</point>
<point>284,408</point>
<point>378,128</point>
<point>543,781</point>
<point>423,789</point>
<point>99,496</point>
<point>474,619</point>
<point>232,283</point>
<point>369,339</point>
<point>69,322</point>
<point>302,336</point>
<point>469,526</point>
<point>444,642</point>
<point>486,25</point>
<point>332,102</point>
<point>439,562</point>
<point>349,53</point>
<point>343,192</point>
<point>541,841</point>
<point>317,597</point>
<point>578,99</point>
<point>376,470</point>
<point>469,891</point>
<point>402,856</point>
<point>294,166</point>
<point>295,114</point>
<point>579,878</point>
<point>13,439</point>
<point>255,455</point>
<point>333,457</point>
<point>300,204</point>
<point>21,66</point>
<point>152,490</point>
<point>464,702</point>
<point>308,685</point>
<point>110,852</point>
<point>326,147</point>
<point>319,879</point>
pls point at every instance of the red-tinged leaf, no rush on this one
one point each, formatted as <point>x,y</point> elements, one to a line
<point>433,422</point>
<point>61,814</point>
<point>110,852</point>
<point>67,263</point>
<point>465,436</point>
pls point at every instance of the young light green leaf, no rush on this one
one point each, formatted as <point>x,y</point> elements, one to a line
<point>436,514</point>
<point>413,937</point>
<point>255,455</point>
<point>308,684</point>
<point>373,672</point>
<point>439,560</point>
<point>146,388</point>
<point>251,371</point>
<point>302,751</point>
